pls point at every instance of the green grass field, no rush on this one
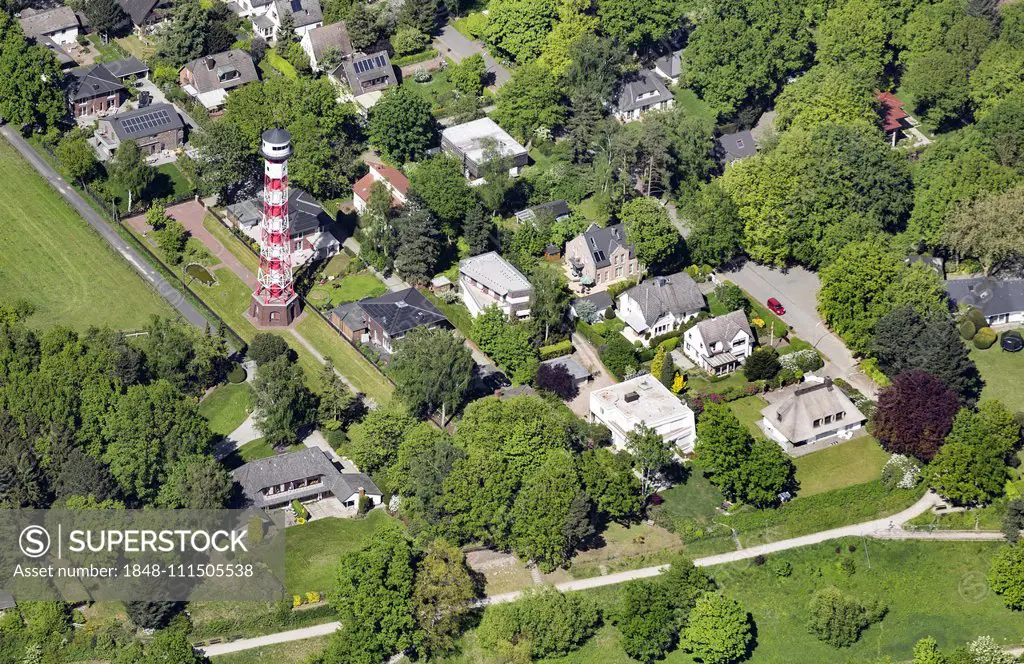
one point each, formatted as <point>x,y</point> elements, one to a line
<point>282,653</point>
<point>693,105</point>
<point>234,246</point>
<point>227,407</point>
<point>53,259</point>
<point>853,462</point>
<point>313,549</point>
<point>1003,373</point>
<point>347,289</point>
<point>346,359</point>
<point>930,588</point>
<point>748,410</point>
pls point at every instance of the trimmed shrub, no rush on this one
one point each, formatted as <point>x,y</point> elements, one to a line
<point>556,350</point>
<point>236,375</point>
<point>300,510</point>
<point>984,339</point>
<point>975,316</point>
<point>967,329</point>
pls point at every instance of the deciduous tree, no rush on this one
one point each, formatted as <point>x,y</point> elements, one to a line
<point>375,440</point>
<point>716,230</point>
<point>718,631</point>
<point>530,100</point>
<point>651,455</point>
<point>838,620</point>
<point>282,401</point>
<point>401,124</point>
<point>980,229</point>
<point>914,414</point>
<point>650,231</point>
<point>432,370</point>
<point>520,28</point>
<point>441,596</point>
<point>439,182</point>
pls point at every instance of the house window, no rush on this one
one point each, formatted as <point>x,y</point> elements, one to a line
<point>739,342</point>
<point>828,419</point>
<point>817,422</point>
<point>631,268</point>
<point>739,143</point>
<point>840,415</point>
<point>618,271</point>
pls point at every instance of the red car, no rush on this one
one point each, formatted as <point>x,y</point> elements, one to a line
<point>776,306</point>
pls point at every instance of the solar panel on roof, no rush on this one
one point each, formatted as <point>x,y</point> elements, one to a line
<point>145,122</point>
<point>369,64</point>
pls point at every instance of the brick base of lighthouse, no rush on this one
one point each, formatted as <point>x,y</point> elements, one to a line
<point>274,315</point>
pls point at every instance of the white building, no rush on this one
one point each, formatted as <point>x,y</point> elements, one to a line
<point>475,143</point>
<point>265,15</point>
<point>59,25</point>
<point>809,412</point>
<point>489,280</point>
<point>643,400</point>
<point>658,305</point>
<point>639,93</point>
<point>719,345</point>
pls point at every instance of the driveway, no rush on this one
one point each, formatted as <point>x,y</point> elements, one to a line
<point>797,290</point>
<point>587,355</point>
<point>144,84</point>
<point>453,44</point>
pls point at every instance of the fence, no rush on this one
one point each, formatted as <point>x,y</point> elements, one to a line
<point>235,340</point>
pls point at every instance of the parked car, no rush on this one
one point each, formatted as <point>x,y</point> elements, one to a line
<point>1012,341</point>
<point>776,306</point>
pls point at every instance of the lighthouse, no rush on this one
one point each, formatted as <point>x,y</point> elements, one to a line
<point>274,301</point>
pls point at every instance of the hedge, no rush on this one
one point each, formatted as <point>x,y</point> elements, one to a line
<point>556,350</point>
<point>967,329</point>
<point>413,58</point>
<point>985,337</point>
<point>975,316</point>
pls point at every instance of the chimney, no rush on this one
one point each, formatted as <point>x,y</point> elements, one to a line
<point>362,492</point>
<point>210,64</point>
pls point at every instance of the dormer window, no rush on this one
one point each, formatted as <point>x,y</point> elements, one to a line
<point>817,422</point>
<point>828,419</point>
<point>840,415</point>
<point>228,75</point>
<point>739,143</point>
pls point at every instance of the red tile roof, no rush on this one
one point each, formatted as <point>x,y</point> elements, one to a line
<point>892,111</point>
<point>392,176</point>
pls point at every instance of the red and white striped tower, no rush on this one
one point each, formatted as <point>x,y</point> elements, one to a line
<point>274,301</point>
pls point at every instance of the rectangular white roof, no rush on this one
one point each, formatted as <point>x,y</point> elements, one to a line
<point>495,273</point>
<point>642,399</point>
<point>472,137</point>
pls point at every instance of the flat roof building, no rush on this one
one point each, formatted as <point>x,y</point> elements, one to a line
<point>644,401</point>
<point>471,143</point>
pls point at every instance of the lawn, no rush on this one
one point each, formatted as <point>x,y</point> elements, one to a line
<point>227,407</point>
<point>108,51</point>
<point>438,91</point>
<point>347,360</point>
<point>694,106</point>
<point>234,246</point>
<point>134,46</point>
<point>456,313</point>
<point>625,547</point>
<point>282,653</point>
<point>1003,373</point>
<point>595,210</point>
<point>699,381</point>
<point>347,289</point>
<point>314,548</point>
<point>280,64</point>
<point>748,410</point>
<point>168,182</point>
<point>854,462</point>
<point>53,259</point>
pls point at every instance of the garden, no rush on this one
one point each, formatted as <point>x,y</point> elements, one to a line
<point>1003,373</point>
<point>313,549</point>
<point>331,292</point>
<point>227,406</point>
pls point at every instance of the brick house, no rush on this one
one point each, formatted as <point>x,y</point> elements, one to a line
<point>384,320</point>
<point>94,91</point>
<point>153,128</point>
<point>601,256</point>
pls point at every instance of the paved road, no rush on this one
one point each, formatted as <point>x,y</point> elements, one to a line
<point>451,43</point>
<point>100,225</point>
<point>797,290</point>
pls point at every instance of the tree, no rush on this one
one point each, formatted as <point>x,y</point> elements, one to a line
<point>1007,575</point>
<point>439,182</point>
<point>905,340</point>
<point>542,512</point>
<point>550,306</point>
<point>732,297</point>
<point>30,80</point>
<point>575,22</point>
<point>282,402</point>
<point>76,157</point>
<point>926,651</point>
<point>172,646</point>
<point>408,40</point>
<point>966,475</point>
<point>718,631</point>
<point>1013,520</point>
<point>980,229</point>
<point>722,444</point>
<point>826,95</point>
<point>639,24</point>
<point>401,124</point>
<point>716,230</point>
<point>992,428</point>
<point>432,370</point>
<point>531,99</point>
<point>985,650</point>
<point>336,405</point>
<point>914,414</point>
<point>609,482</point>
<point>375,598</point>
<point>651,455</point>
<point>195,482</point>
<point>424,459</point>
<point>557,379</point>
<point>854,37</point>
<point>476,229</point>
<point>419,245</point>
<point>648,228</point>
<point>765,473</point>
<point>739,53</point>
<point>645,617</point>
<point>619,356</point>
<point>364,29</point>
<point>818,191</point>
<point>171,241</point>
<point>507,343</point>
<point>441,596</point>
<point>225,162</point>
<point>184,40</point>
<point>106,16</point>
<point>468,75</point>
<point>855,291</point>
<point>594,68</point>
<point>267,347</point>
<point>762,364</point>
<point>285,34</point>
<point>519,28</point>
<point>662,368</point>
<point>153,615</point>
<point>548,623</point>
<point>419,14</point>
<point>128,168</point>
<point>838,620</point>
<point>375,440</point>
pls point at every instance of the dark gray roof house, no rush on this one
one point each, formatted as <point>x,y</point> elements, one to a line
<point>145,122</point>
<point>65,60</point>
<point>93,81</point>
<point>601,299</point>
<point>656,297</point>
<point>578,372</point>
<point>558,210</point>
<point>639,92</point>
<point>305,214</point>
<point>307,474</point>
<point>604,241</point>
<point>126,67</point>
<point>366,72</point>
<point>220,71</point>
<point>139,11</point>
<point>736,146</point>
<point>319,40</point>
<point>305,12</point>
<point>670,65</point>
<point>1001,300</point>
<point>386,319</point>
